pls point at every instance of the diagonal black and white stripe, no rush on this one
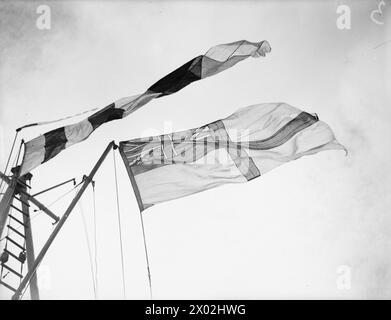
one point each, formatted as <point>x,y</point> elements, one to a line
<point>217,59</point>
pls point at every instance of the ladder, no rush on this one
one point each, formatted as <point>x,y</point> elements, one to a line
<point>18,251</point>
<point>23,249</point>
<point>13,257</point>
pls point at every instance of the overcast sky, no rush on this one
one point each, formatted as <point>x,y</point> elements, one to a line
<point>289,234</point>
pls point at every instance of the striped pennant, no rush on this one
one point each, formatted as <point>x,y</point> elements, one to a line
<point>239,148</point>
<point>217,59</point>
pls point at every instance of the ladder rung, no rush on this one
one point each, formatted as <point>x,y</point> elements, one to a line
<point>21,201</point>
<point>12,270</point>
<point>13,255</point>
<point>18,221</point>
<point>16,231</point>
<point>15,243</point>
<point>7,286</point>
<point>23,183</point>
<point>17,209</point>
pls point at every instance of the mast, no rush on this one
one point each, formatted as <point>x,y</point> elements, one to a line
<point>87,180</point>
<point>28,233</point>
<point>18,186</point>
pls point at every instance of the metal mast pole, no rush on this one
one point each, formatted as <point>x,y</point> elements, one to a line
<point>60,224</point>
<point>34,292</point>
<point>7,199</point>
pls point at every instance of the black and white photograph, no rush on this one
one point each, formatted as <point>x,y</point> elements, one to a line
<point>215,151</point>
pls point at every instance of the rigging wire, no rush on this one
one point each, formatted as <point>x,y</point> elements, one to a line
<point>144,237</point>
<point>146,255</point>
<point>62,196</point>
<point>20,149</point>
<point>95,237</point>
<point>38,211</point>
<point>88,247</point>
<point>119,225</point>
<point>14,163</point>
<point>9,157</point>
<point>57,120</point>
<point>86,233</point>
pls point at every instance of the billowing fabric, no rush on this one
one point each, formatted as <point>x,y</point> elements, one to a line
<point>217,59</point>
<point>239,148</point>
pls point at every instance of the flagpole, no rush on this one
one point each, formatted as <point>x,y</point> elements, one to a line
<point>60,224</point>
